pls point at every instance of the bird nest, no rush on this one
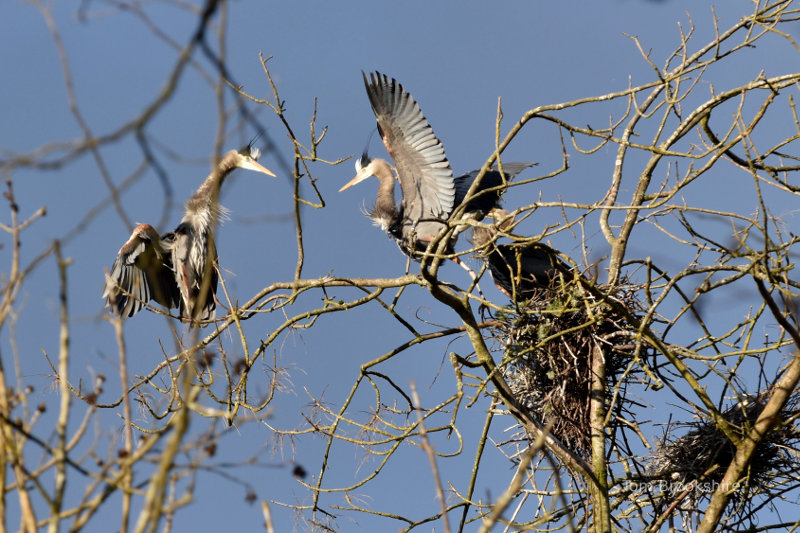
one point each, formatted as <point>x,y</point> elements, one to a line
<point>548,345</point>
<point>693,465</point>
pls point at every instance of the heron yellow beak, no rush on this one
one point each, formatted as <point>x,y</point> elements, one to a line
<point>361,176</point>
<point>258,167</point>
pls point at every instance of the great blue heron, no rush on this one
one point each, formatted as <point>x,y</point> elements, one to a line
<point>519,270</point>
<point>170,269</point>
<point>430,194</point>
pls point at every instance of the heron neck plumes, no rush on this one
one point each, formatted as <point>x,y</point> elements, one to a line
<point>205,201</point>
<point>385,212</point>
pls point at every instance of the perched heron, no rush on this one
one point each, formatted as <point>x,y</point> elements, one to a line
<point>519,270</point>
<point>171,269</point>
<point>430,193</point>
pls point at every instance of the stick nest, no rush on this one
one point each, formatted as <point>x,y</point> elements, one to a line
<point>694,464</point>
<point>548,344</point>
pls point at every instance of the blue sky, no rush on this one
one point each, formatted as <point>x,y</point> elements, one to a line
<point>457,59</point>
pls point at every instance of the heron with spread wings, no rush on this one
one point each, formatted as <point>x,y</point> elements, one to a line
<point>430,193</point>
<point>177,269</point>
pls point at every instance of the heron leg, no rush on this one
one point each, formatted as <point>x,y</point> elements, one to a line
<point>471,273</point>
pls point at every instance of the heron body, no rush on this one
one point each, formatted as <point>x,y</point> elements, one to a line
<point>429,192</point>
<point>194,256</point>
<point>412,237</point>
<point>519,270</point>
<point>177,269</point>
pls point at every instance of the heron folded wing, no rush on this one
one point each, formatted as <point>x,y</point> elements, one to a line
<point>523,269</point>
<point>190,251</point>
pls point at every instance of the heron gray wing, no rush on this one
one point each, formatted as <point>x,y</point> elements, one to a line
<point>486,202</point>
<point>422,167</point>
<point>513,168</point>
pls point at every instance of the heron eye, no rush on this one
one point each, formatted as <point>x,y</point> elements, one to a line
<point>362,163</point>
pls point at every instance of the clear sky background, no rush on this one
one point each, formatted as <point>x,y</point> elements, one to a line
<point>456,58</point>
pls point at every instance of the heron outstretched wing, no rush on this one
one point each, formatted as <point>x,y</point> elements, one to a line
<point>483,203</point>
<point>141,272</point>
<point>422,167</point>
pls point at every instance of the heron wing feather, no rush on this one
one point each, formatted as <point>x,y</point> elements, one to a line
<point>141,272</point>
<point>486,202</point>
<point>422,168</point>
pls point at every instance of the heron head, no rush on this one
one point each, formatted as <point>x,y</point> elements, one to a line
<point>363,162</point>
<point>365,167</point>
<point>248,159</point>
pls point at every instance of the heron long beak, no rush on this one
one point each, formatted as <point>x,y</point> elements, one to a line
<point>258,167</point>
<point>361,176</point>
